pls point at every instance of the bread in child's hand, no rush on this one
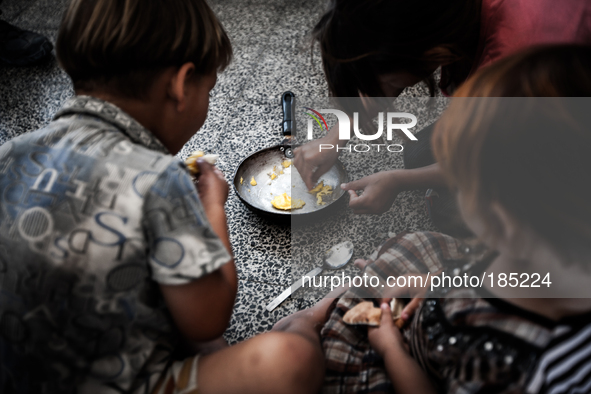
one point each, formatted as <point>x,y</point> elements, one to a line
<point>365,313</point>
<point>191,161</point>
<point>397,307</point>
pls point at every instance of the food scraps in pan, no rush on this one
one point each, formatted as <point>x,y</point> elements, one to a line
<point>241,180</point>
<point>253,182</point>
<point>285,203</point>
<point>191,161</point>
<point>320,191</point>
<point>365,313</point>
<point>286,163</point>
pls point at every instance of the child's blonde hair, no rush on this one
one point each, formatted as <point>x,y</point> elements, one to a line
<point>122,45</point>
<point>530,155</point>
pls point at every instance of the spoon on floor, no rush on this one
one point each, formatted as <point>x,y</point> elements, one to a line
<point>335,258</point>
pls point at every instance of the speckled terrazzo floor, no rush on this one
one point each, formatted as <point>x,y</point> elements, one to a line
<point>271,55</point>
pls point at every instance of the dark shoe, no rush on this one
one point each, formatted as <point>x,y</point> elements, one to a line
<point>20,47</point>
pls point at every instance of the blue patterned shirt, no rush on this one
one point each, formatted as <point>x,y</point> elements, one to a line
<point>94,214</point>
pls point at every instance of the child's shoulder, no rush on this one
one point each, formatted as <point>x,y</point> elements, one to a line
<point>96,156</point>
<point>91,133</point>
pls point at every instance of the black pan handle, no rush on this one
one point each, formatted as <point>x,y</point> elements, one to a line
<point>288,103</point>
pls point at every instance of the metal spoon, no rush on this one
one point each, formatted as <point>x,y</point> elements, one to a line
<point>334,258</point>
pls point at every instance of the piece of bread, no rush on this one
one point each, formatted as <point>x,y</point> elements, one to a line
<point>397,307</point>
<point>191,161</point>
<point>365,313</point>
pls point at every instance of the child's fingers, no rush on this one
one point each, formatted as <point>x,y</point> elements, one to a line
<point>354,200</point>
<point>410,309</point>
<point>352,195</point>
<point>304,167</point>
<point>361,263</point>
<point>204,167</point>
<point>219,173</point>
<point>359,184</point>
<point>307,173</point>
<point>314,177</point>
<point>322,169</point>
<point>385,301</point>
<point>386,320</point>
<point>357,203</point>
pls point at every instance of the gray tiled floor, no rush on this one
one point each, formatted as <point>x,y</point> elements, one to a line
<point>272,54</point>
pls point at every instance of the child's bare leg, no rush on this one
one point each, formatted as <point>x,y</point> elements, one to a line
<point>307,322</point>
<point>275,362</point>
<point>209,347</point>
<point>287,360</point>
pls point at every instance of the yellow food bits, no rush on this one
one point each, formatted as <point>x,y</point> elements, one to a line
<point>321,191</point>
<point>191,161</point>
<point>285,203</point>
<point>297,204</point>
<point>253,182</point>
<point>317,188</point>
<point>286,163</point>
<point>281,172</point>
<point>273,175</point>
<point>326,191</point>
<point>241,180</point>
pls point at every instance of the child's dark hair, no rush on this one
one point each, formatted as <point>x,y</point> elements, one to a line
<point>122,45</point>
<point>501,141</point>
<point>361,40</point>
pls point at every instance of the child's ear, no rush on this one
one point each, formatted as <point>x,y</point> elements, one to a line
<point>178,85</point>
<point>509,231</point>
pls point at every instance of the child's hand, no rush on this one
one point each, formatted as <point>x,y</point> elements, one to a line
<point>387,336</point>
<point>379,192</point>
<point>417,294</point>
<point>404,372</point>
<point>312,163</point>
<point>212,186</point>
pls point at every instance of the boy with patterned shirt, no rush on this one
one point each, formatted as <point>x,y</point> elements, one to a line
<point>109,253</point>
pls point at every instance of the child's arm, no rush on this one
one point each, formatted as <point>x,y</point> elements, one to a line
<point>380,189</point>
<point>202,309</point>
<point>403,370</point>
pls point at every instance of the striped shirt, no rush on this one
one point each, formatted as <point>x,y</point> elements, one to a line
<point>565,364</point>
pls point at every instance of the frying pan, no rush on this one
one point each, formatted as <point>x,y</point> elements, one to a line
<point>269,160</point>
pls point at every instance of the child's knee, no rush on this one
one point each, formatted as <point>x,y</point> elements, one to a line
<point>296,362</point>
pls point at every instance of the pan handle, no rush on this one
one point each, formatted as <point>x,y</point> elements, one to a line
<point>288,103</point>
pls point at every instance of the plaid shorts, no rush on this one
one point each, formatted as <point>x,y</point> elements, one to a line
<point>352,366</point>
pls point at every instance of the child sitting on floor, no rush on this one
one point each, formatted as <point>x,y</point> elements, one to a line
<point>109,254</point>
<point>520,166</point>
